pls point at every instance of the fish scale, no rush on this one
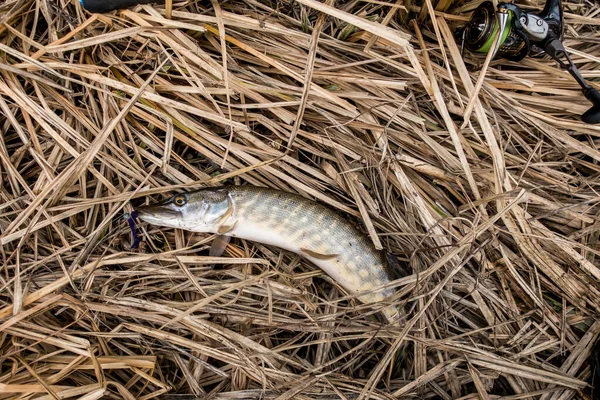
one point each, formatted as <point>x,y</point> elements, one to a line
<point>288,221</point>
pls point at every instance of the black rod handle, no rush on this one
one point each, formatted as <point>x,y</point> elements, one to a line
<point>103,6</point>
<point>555,49</point>
<point>592,116</point>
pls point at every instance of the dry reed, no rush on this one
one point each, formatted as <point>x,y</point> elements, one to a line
<point>487,193</point>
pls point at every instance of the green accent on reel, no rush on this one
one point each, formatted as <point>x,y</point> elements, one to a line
<point>488,44</point>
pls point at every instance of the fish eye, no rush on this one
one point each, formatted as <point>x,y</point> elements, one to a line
<point>180,200</point>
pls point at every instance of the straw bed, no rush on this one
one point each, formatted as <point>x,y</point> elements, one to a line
<point>486,190</point>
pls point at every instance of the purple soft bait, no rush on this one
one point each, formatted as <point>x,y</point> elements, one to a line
<point>131,221</point>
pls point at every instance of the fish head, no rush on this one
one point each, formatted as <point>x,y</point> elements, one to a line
<point>199,211</point>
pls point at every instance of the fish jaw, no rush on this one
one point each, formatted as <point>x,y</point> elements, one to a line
<point>159,215</point>
<point>201,211</point>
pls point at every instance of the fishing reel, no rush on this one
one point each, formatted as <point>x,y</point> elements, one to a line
<point>524,33</point>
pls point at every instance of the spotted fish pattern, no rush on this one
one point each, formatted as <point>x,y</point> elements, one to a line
<point>288,221</point>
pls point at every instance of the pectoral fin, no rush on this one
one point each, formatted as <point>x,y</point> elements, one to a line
<point>224,229</point>
<point>318,255</point>
<point>218,245</point>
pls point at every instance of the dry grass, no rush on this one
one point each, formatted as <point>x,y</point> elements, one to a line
<point>491,200</point>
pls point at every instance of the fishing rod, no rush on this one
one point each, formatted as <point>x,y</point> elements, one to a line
<point>522,33</point>
<point>104,6</point>
<point>525,33</point>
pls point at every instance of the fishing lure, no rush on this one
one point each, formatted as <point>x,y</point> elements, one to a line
<point>134,236</point>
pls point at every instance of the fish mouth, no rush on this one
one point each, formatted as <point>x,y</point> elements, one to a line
<point>156,213</point>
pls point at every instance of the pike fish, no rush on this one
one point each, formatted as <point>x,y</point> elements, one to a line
<point>290,222</point>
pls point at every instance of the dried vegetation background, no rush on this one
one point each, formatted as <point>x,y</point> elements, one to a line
<point>487,193</point>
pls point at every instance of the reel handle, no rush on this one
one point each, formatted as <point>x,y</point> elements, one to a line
<point>555,49</point>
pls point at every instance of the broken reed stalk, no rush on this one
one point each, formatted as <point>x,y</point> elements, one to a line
<point>493,213</point>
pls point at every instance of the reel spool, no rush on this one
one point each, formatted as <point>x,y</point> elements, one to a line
<point>522,34</point>
<point>479,37</point>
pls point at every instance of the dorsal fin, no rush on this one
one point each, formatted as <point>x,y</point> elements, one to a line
<point>395,267</point>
